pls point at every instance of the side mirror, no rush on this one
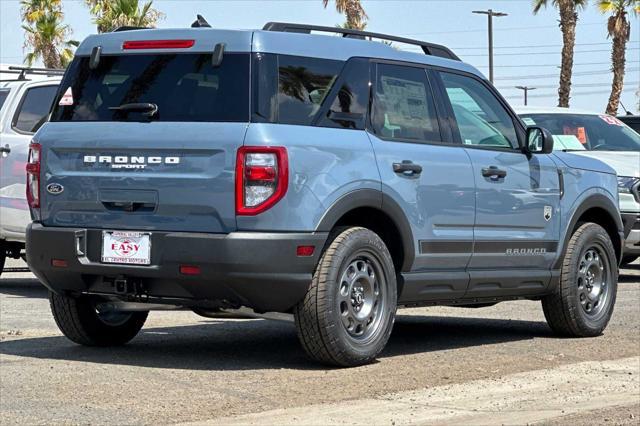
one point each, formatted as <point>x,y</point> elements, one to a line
<point>539,141</point>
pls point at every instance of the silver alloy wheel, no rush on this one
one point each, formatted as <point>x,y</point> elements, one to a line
<point>593,285</point>
<point>362,296</point>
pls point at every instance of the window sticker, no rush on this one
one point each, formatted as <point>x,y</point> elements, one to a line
<point>67,98</point>
<point>529,121</point>
<point>611,120</point>
<point>582,135</point>
<point>406,101</point>
<point>578,132</point>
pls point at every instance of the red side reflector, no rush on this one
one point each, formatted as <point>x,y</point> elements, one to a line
<point>189,270</point>
<point>59,263</point>
<point>305,251</point>
<point>158,44</point>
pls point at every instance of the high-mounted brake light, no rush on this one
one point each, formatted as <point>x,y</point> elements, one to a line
<point>33,175</point>
<point>157,44</point>
<point>262,178</point>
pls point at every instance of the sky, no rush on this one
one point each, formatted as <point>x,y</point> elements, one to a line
<point>527,46</point>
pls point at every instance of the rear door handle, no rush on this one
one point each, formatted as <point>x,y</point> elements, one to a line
<point>5,150</point>
<point>407,167</point>
<point>493,172</point>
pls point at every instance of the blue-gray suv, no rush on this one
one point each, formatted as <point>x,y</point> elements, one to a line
<point>334,178</point>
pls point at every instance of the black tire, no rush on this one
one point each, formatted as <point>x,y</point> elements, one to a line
<point>629,259</point>
<point>566,309</point>
<point>80,322</point>
<point>334,331</point>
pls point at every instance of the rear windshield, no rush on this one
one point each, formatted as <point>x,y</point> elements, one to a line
<point>592,132</point>
<point>3,96</point>
<point>184,87</point>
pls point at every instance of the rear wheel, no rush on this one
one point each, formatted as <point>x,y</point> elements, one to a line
<point>348,312</point>
<point>82,321</point>
<point>582,303</point>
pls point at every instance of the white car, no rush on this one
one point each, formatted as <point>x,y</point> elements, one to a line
<point>608,139</point>
<point>26,95</point>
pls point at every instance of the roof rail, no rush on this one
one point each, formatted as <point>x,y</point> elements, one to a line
<point>428,48</point>
<point>23,71</point>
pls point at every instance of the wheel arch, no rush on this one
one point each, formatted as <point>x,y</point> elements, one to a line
<point>378,212</point>
<point>599,209</point>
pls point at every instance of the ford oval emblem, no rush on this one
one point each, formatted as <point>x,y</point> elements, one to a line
<point>55,188</point>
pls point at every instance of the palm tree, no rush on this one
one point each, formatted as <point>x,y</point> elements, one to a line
<point>356,16</point>
<point>111,14</point>
<point>45,34</point>
<point>568,19</point>
<point>619,29</point>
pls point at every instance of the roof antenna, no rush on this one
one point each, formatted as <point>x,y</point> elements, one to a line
<point>627,112</point>
<point>200,22</point>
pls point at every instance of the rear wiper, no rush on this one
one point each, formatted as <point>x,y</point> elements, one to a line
<point>147,109</point>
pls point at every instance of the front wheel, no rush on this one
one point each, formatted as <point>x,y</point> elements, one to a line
<point>82,321</point>
<point>582,303</point>
<point>347,315</point>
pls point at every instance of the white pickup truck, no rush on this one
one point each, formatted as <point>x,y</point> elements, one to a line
<point>26,95</point>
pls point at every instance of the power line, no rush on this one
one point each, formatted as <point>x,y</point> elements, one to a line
<point>548,53</point>
<point>552,86</point>
<point>556,65</point>
<point>575,74</point>
<point>502,29</point>
<point>573,94</point>
<point>530,46</point>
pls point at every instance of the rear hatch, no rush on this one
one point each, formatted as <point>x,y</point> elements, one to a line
<point>147,139</point>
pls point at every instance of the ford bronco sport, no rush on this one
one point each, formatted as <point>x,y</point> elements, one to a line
<point>334,178</point>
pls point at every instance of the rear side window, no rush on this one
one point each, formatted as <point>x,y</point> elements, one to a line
<point>350,102</point>
<point>184,87</point>
<point>403,106</point>
<point>3,97</point>
<point>303,85</point>
<point>34,108</point>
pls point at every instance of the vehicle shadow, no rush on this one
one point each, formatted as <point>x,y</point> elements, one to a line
<point>259,344</point>
<point>23,287</point>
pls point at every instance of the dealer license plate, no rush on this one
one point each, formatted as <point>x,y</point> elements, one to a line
<point>132,248</point>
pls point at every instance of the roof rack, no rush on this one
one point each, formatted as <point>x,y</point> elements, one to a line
<point>428,48</point>
<point>23,71</point>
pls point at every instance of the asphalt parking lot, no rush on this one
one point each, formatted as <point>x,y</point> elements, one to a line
<point>442,365</point>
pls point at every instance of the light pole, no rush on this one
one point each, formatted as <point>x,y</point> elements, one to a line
<point>490,14</point>
<point>526,92</point>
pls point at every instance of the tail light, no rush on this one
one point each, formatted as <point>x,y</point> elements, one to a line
<point>33,175</point>
<point>157,44</point>
<point>262,178</point>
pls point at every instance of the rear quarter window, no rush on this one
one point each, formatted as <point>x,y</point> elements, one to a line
<point>185,87</point>
<point>4,93</point>
<point>34,108</point>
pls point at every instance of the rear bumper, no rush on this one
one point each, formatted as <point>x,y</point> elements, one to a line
<point>258,270</point>
<point>631,223</point>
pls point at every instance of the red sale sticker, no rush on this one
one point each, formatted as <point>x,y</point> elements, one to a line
<point>611,120</point>
<point>67,98</point>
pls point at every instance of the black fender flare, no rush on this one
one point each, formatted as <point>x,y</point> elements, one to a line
<point>378,200</point>
<point>593,201</point>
